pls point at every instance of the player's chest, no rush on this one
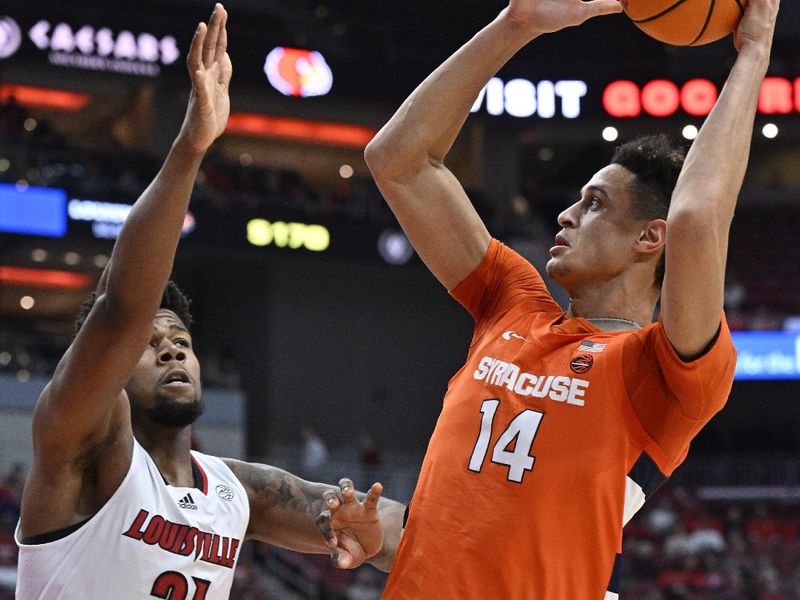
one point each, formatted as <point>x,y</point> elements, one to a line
<point>564,391</point>
<point>186,524</point>
<point>552,371</point>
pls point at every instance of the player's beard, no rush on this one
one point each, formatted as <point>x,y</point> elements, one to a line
<point>173,413</point>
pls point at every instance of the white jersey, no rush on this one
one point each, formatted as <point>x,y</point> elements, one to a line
<point>150,539</point>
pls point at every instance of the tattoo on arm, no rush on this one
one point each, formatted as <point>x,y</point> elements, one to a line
<point>275,488</point>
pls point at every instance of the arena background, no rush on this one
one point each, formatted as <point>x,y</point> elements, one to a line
<point>315,323</point>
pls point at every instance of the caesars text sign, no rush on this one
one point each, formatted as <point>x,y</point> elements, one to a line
<point>103,49</point>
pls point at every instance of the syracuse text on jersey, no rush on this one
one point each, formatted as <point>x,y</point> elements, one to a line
<point>556,387</point>
<point>182,539</point>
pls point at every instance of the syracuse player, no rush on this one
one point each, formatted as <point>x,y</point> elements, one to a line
<point>561,423</point>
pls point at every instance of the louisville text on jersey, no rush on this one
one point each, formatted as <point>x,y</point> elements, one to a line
<point>556,387</point>
<point>184,540</point>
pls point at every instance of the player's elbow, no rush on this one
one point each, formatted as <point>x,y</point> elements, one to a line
<point>708,205</point>
<point>393,158</point>
<point>378,157</point>
<point>696,222</point>
<point>120,308</point>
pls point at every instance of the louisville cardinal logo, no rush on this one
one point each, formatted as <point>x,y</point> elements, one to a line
<point>296,72</point>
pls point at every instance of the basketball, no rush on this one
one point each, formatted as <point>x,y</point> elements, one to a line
<point>686,22</point>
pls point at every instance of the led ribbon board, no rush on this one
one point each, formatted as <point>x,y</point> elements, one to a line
<point>767,355</point>
<point>33,210</point>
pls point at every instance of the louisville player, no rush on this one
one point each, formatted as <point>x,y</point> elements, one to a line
<point>116,505</point>
<point>561,423</point>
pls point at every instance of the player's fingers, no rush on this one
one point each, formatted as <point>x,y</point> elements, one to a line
<point>331,499</point>
<point>210,45</point>
<point>350,553</point>
<point>373,495</point>
<point>324,526</point>
<point>348,491</point>
<point>226,71</point>
<point>222,39</point>
<point>596,8</point>
<point>199,88</point>
<point>195,58</point>
<point>339,558</point>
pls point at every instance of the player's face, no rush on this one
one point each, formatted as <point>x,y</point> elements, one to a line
<point>165,386</point>
<point>598,234</point>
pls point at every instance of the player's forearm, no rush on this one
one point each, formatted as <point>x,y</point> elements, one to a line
<point>391,514</point>
<point>145,249</point>
<point>715,166</point>
<point>427,123</point>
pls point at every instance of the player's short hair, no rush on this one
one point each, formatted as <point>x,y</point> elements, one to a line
<point>656,161</point>
<point>172,299</point>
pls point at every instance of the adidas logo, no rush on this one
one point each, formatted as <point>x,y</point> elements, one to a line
<point>187,502</point>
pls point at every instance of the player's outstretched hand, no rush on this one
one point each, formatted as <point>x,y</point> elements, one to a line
<point>547,16</point>
<point>757,25</point>
<point>351,528</point>
<point>210,69</point>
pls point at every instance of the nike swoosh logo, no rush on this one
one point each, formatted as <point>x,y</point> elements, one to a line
<point>511,334</point>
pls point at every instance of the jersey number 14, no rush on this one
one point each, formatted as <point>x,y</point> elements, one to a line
<point>519,433</point>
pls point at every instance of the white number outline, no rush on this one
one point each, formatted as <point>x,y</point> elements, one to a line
<point>518,427</point>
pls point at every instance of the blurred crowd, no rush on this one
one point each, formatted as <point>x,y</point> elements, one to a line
<point>34,152</point>
<point>679,548</point>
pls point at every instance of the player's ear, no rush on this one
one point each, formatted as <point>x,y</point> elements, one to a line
<point>652,237</point>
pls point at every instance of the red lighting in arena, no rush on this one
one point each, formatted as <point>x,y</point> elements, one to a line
<point>37,97</point>
<point>321,132</point>
<point>44,278</point>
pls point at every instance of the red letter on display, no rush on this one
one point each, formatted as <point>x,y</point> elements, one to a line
<point>660,98</point>
<point>775,97</point>
<point>621,99</point>
<point>698,97</point>
<point>797,94</point>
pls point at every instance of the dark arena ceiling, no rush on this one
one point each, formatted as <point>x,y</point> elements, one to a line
<point>389,45</point>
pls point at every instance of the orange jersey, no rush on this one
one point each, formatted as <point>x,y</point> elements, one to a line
<point>547,429</point>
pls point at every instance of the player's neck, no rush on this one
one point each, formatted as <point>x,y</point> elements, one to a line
<point>169,448</point>
<point>613,307</point>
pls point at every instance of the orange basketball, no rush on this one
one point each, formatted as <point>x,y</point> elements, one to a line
<point>686,22</point>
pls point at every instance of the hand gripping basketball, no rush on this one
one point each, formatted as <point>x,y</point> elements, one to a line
<point>758,24</point>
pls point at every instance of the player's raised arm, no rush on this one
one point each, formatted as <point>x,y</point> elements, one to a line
<point>292,513</point>
<point>83,404</point>
<point>703,202</point>
<point>407,156</point>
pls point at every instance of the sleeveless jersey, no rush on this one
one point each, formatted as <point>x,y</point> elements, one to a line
<point>150,539</point>
<point>550,438</point>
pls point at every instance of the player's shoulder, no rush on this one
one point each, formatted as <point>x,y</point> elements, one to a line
<point>501,253</point>
<point>652,343</point>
